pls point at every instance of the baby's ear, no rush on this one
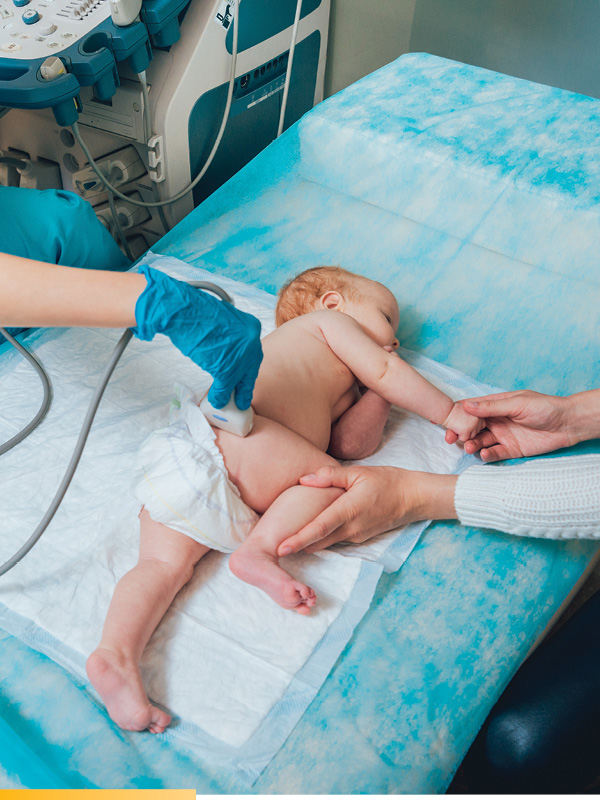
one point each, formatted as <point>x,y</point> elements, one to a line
<point>331,301</point>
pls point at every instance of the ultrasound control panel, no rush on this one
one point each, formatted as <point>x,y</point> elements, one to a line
<point>49,49</point>
<point>32,29</point>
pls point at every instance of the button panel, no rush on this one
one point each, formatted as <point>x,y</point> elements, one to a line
<point>45,25</point>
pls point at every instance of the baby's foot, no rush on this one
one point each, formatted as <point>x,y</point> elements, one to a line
<point>261,569</point>
<point>294,595</point>
<point>119,684</point>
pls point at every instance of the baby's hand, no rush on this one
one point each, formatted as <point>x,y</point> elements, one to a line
<point>460,425</point>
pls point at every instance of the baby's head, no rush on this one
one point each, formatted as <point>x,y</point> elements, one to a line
<point>332,288</point>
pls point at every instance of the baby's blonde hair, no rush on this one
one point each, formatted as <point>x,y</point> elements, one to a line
<point>300,294</point>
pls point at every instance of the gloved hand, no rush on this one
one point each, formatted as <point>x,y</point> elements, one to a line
<point>220,339</point>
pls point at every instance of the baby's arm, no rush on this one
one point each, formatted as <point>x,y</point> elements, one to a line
<point>391,377</point>
<point>357,432</point>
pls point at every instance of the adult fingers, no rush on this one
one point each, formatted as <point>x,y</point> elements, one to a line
<point>245,389</point>
<point>322,544</point>
<point>329,527</point>
<point>497,395</point>
<point>496,453</point>
<point>483,439</point>
<point>342,477</point>
<point>494,406</point>
<point>219,393</point>
<point>243,395</point>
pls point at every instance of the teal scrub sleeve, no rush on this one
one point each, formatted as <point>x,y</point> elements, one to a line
<point>58,227</point>
<point>216,336</point>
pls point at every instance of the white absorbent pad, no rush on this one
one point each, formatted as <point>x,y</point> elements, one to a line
<point>234,669</point>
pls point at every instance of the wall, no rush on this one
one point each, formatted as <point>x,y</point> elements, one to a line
<point>548,41</point>
<point>363,36</point>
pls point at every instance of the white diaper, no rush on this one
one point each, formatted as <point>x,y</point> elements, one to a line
<point>181,479</point>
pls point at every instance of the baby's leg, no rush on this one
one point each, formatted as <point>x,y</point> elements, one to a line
<point>265,467</point>
<point>141,598</point>
<point>256,560</point>
<point>358,432</point>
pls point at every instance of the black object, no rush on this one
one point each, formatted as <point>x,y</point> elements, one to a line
<point>543,735</point>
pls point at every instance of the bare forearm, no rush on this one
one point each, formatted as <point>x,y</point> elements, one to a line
<point>408,389</point>
<point>583,421</point>
<point>358,432</point>
<point>35,293</point>
<point>435,495</point>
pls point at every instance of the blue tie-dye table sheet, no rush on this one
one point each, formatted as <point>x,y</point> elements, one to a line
<point>475,197</point>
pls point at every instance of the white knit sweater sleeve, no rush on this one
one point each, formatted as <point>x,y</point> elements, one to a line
<point>554,498</point>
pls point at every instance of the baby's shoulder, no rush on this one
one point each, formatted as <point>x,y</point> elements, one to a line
<point>310,323</point>
<point>321,324</point>
<point>326,319</point>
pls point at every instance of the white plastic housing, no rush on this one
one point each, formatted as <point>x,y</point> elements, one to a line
<point>230,418</point>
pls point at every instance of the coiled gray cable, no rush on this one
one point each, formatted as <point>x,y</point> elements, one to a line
<point>85,428</point>
<point>46,400</point>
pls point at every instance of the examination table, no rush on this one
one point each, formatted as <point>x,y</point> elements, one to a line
<point>475,198</point>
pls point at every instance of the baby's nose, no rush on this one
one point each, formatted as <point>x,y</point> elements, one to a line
<point>395,344</point>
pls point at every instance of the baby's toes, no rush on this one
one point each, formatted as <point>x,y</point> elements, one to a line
<point>310,598</point>
<point>302,609</point>
<point>299,595</point>
<point>306,593</point>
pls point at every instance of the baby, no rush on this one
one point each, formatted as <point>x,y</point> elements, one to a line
<point>335,330</point>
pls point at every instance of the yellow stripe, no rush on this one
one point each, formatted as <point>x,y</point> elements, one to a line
<point>98,794</point>
<point>177,514</point>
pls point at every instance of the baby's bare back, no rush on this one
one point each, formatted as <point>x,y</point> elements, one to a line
<point>302,388</point>
<point>301,383</point>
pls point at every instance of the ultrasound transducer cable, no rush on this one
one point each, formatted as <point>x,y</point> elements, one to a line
<point>46,400</point>
<point>85,428</point>
<point>123,342</point>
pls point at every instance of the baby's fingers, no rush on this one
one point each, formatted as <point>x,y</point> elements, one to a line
<point>451,437</point>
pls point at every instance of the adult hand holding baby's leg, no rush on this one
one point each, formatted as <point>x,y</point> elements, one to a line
<point>377,499</point>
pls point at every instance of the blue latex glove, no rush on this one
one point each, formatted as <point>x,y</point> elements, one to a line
<point>220,339</point>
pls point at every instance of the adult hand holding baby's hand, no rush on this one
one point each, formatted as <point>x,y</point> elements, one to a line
<point>462,426</point>
<point>526,423</point>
